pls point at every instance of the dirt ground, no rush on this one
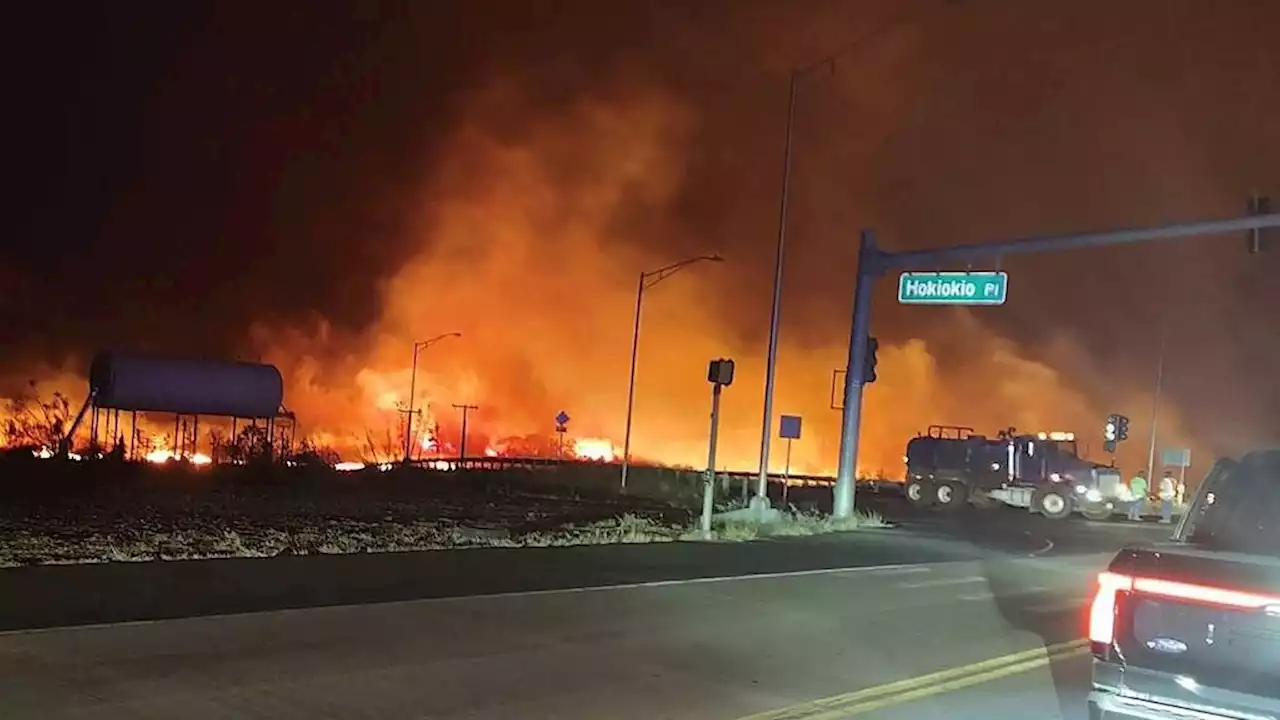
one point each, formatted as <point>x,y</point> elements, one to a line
<point>53,511</point>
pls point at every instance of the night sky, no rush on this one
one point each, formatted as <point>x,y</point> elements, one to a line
<point>317,184</point>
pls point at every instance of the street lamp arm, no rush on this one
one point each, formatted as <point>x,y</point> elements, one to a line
<point>653,277</point>
<point>423,344</point>
<point>829,60</point>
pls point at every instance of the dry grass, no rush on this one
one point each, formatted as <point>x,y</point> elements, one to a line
<point>793,524</point>
<point>340,537</point>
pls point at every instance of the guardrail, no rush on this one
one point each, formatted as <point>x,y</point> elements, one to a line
<point>551,464</point>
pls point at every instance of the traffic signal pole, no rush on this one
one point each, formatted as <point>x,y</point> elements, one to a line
<point>874,262</point>
<point>851,417</point>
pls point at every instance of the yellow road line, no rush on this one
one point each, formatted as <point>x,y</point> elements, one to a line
<point>901,691</point>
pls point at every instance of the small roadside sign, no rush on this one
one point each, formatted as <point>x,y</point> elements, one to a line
<point>563,418</point>
<point>953,288</point>
<point>789,427</point>
<point>1177,457</point>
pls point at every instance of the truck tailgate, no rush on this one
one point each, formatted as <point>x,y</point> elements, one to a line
<point>1197,619</point>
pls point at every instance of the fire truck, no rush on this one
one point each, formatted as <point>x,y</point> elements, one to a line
<point>949,466</point>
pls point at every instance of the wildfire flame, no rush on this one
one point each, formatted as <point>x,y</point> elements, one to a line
<point>600,449</point>
<point>160,457</point>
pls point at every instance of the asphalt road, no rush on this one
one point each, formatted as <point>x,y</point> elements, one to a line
<point>941,617</point>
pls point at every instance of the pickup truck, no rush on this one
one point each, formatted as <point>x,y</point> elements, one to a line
<point>1190,628</point>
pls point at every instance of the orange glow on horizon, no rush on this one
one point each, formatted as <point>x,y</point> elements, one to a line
<point>528,243</point>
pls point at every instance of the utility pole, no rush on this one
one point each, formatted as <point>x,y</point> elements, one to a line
<point>462,444</point>
<point>873,263</point>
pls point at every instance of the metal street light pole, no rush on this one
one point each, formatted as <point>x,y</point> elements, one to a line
<point>775,312</point>
<point>647,280</point>
<point>413,382</point>
<point>1155,403</point>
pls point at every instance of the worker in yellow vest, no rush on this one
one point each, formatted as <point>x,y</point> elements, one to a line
<point>1138,490</point>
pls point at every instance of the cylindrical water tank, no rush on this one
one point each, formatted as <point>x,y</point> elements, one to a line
<point>129,381</point>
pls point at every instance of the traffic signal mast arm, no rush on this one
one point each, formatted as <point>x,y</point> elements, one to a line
<point>883,261</point>
<point>874,262</point>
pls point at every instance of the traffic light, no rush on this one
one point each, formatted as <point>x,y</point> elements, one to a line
<point>869,365</point>
<point>720,372</point>
<point>1115,431</point>
<point>1260,240</point>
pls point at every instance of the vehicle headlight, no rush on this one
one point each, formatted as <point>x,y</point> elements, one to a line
<point>1094,495</point>
<point>1081,488</point>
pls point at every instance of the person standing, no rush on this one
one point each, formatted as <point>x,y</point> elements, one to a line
<point>1138,489</point>
<point>1168,490</point>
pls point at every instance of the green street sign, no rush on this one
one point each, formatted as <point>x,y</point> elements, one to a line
<point>953,288</point>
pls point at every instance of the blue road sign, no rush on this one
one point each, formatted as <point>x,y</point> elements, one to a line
<point>789,427</point>
<point>562,418</point>
<point>1179,458</point>
<point>953,288</point>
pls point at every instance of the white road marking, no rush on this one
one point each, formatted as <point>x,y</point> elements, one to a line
<point>908,570</point>
<point>941,582</point>
<point>1048,545</point>
<point>972,597</point>
<point>869,569</point>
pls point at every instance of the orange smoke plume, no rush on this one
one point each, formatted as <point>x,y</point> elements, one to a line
<point>529,248</point>
<point>529,245</point>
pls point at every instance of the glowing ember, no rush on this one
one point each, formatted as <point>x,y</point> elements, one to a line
<point>349,466</point>
<point>490,452</point>
<point>600,449</point>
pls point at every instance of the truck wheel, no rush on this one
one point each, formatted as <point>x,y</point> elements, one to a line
<point>920,493</point>
<point>1052,503</point>
<point>951,495</point>
<point>1096,511</point>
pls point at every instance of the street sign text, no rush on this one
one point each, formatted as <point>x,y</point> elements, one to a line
<point>953,288</point>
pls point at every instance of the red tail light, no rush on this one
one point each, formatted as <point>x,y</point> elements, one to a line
<point>1102,613</point>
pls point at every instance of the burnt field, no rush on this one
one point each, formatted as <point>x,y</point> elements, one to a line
<point>73,512</point>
